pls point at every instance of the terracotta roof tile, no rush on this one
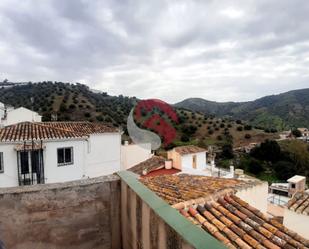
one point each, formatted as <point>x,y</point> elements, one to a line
<point>84,127</point>
<point>183,187</point>
<point>238,230</point>
<point>300,203</point>
<point>27,131</point>
<point>188,149</point>
<point>153,163</point>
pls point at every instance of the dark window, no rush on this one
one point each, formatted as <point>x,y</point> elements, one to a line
<point>65,156</point>
<point>1,163</point>
<point>293,185</point>
<point>24,162</point>
<point>34,161</point>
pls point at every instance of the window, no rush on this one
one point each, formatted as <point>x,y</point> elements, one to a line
<point>65,156</point>
<point>293,185</point>
<point>24,159</point>
<point>194,161</point>
<point>1,163</point>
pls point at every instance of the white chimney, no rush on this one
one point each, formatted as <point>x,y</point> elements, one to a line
<point>232,170</point>
<point>168,164</point>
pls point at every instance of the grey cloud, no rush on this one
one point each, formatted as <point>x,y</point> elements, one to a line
<point>221,50</point>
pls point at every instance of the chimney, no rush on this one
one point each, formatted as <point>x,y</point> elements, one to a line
<point>232,170</point>
<point>168,164</point>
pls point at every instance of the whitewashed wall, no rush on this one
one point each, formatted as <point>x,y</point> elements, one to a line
<point>21,115</point>
<point>103,154</point>
<point>296,222</point>
<point>256,196</point>
<point>187,161</point>
<point>97,156</point>
<point>133,154</point>
<point>10,176</point>
<point>54,173</point>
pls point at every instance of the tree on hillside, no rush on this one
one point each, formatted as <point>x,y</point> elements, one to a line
<point>284,170</point>
<point>267,151</point>
<point>296,133</point>
<point>227,151</point>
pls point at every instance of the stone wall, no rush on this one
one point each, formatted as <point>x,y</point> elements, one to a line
<point>80,215</point>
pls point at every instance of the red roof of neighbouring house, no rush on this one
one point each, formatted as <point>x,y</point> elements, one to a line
<point>153,163</point>
<point>163,171</point>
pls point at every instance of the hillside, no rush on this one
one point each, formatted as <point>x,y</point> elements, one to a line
<point>282,111</point>
<point>69,102</point>
<point>64,102</point>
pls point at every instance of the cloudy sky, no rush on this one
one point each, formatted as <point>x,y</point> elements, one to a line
<point>219,50</point>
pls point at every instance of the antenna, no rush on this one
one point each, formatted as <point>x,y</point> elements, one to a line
<point>32,101</point>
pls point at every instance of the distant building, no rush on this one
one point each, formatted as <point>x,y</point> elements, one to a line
<point>10,116</point>
<point>188,157</point>
<point>183,159</point>
<point>36,153</point>
<point>304,132</point>
<point>293,184</point>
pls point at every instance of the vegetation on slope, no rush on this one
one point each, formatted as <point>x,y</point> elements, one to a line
<point>282,111</point>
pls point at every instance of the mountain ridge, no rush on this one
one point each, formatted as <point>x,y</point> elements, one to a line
<point>280,111</point>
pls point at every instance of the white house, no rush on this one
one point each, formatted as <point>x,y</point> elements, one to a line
<point>192,159</point>
<point>32,153</point>
<point>188,157</point>
<point>11,116</point>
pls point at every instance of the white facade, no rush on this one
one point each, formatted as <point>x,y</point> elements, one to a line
<point>194,161</point>
<point>188,161</point>
<point>21,114</point>
<point>95,156</point>
<point>296,222</point>
<point>133,154</point>
<point>103,154</point>
<point>256,196</point>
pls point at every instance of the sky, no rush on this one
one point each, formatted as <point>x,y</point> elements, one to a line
<point>221,50</point>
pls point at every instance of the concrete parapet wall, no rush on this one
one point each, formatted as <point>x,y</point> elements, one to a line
<point>80,215</point>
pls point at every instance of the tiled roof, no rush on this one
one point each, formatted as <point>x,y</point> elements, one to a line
<point>150,164</point>
<point>83,127</point>
<point>27,131</point>
<point>163,171</point>
<point>300,203</point>
<point>239,225</point>
<point>183,187</point>
<point>188,149</point>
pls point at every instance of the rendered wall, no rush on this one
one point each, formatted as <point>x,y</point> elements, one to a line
<point>296,222</point>
<point>54,173</point>
<point>75,215</point>
<point>21,115</point>
<point>133,154</point>
<point>103,154</point>
<point>256,196</point>
<point>9,178</point>
<point>187,161</point>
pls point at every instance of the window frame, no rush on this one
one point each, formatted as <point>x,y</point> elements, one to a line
<point>64,162</point>
<point>1,163</point>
